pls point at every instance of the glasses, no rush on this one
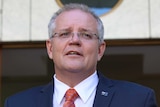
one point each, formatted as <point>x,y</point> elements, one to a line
<point>81,35</point>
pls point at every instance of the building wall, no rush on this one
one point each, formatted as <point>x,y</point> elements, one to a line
<point>27,20</point>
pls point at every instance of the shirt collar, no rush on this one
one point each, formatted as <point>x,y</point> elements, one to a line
<point>84,88</point>
<point>59,89</point>
<point>87,86</point>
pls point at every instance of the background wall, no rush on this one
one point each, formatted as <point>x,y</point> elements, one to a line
<point>33,61</point>
<point>27,20</point>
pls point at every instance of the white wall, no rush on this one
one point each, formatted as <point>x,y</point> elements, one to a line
<point>27,20</point>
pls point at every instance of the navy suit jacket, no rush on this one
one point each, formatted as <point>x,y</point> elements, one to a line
<point>110,93</point>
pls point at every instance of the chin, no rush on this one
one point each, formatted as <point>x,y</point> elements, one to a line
<point>75,69</point>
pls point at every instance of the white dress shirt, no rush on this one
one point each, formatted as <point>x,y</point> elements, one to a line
<point>85,89</point>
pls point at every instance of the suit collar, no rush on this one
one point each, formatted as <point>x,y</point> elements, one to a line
<point>46,95</point>
<point>105,92</point>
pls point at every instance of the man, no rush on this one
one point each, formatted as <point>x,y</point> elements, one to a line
<point>75,45</point>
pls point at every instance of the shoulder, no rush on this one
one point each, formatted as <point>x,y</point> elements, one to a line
<point>29,96</point>
<point>34,90</point>
<point>131,86</point>
<point>26,94</point>
<point>134,93</point>
<point>127,93</point>
<point>124,86</point>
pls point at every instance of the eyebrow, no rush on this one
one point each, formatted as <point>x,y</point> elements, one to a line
<point>83,29</point>
<point>66,29</point>
<point>80,29</point>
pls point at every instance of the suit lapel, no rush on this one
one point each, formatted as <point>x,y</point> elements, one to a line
<point>45,98</point>
<point>105,92</point>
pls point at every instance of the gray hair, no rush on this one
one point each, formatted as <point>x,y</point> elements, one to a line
<point>73,6</point>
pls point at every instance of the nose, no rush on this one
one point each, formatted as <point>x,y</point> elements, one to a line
<point>75,39</point>
<point>75,36</point>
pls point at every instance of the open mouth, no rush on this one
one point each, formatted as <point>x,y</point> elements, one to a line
<point>74,53</point>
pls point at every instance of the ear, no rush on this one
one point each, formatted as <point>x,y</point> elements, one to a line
<point>102,48</point>
<point>49,48</point>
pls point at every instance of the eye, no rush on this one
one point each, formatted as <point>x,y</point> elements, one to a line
<point>64,34</point>
<point>86,35</point>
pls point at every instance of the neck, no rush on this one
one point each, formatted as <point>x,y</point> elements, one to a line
<point>72,78</point>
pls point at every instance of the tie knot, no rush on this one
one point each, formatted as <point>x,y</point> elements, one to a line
<point>71,95</point>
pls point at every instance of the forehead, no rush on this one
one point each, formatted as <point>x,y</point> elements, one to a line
<point>76,18</point>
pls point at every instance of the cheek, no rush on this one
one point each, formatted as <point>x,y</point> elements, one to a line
<point>92,52</point>
<point>57,51</point>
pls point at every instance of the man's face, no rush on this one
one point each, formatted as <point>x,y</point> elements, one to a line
<point>75,54</point>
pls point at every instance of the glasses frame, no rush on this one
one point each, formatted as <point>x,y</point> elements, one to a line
<point>81,35</point>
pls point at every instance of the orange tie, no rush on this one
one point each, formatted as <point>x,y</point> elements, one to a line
<point>70,97</point>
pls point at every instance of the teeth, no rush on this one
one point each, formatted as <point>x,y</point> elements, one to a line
<point>73,53</point>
